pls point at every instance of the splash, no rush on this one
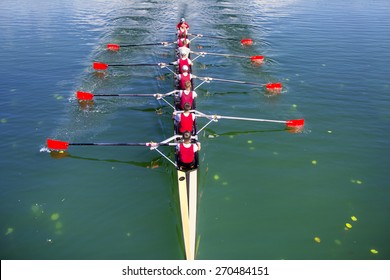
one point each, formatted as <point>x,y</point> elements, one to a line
<point>44,150</point>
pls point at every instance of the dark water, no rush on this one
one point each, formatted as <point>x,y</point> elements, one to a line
<point>264,193</point>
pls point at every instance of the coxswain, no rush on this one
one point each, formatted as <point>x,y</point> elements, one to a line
<point>184,77</point>
<point>187,96</point>
<point>182,28</point>
<point>185,120</point>
<point>187,153</point>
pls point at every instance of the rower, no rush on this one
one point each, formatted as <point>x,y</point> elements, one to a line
<point>183,60</point>
<point>187,153</point>
<point>184,77</point>
<point>186,96</point>
<point>183,42</point>
<point>185,121</point>
<point>182,28</point>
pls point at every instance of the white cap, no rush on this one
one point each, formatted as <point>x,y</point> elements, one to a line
<point>182,20</point>
<point>184,68</point>
<point>184,51</point>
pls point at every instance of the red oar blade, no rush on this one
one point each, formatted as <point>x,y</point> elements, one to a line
<point>257,59</point>
<point>57,144</point>
<point>247,42</point>
<point>295,123</point>
<point>295,126</point>
<point>274,88</point>
<point>100,66</point>
<point>113,47</point>
<point>81,95</point>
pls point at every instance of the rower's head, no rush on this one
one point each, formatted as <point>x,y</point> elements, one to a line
<point>184,52</point>
<point>186,42</point>
<point>186,136</point>
<point>185,68</point>
<point>188,84</point>
<point>187,106</point>
<point>182,20</point>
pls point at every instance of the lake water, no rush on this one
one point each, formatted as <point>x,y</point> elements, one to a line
<point>264,193</point>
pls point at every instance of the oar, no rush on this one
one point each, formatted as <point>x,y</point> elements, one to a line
<point>82,95</point>
<point>53,144</point>
<point>289,123</point>
<point>104,66</point>
<point>270,86</point>
<point>116,47</point>
<point>245,41</point>
<point>255,58</point>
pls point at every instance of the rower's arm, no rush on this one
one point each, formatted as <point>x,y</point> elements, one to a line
<point>171,92</point>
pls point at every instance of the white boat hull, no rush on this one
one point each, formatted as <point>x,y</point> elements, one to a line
<point>188,196</point>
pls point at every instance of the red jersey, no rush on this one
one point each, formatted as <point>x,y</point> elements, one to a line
<point>186,98</point>
<point>182,62</point>
<point>186,123</point>
<point>180,43</point>
<point>184,79</point>
<point>186,155</point>
<point>181,33</point>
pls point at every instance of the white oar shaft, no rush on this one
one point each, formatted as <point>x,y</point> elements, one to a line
<point>218,117</point>
<point>169,104</point>
<point>249,119</point>
<point>229,81</point>
<point>193,59</point>
<point>169,69</point>
<point>220,54</point>
<point>167,158</point>
<point>207,124</point>
<point>205,81</point>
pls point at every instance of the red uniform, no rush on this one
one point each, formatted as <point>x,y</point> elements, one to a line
<point>186,155</point>
<point>184,79</point>
<point>186,98</point>
<point>180,43</point>
<point>181,33</point>
<point>186,123</point>
<point>182,62</point>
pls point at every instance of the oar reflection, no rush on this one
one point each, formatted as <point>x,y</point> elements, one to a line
<point>154,163</point>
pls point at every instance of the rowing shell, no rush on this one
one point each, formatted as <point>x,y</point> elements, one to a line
<point>188,197</point>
